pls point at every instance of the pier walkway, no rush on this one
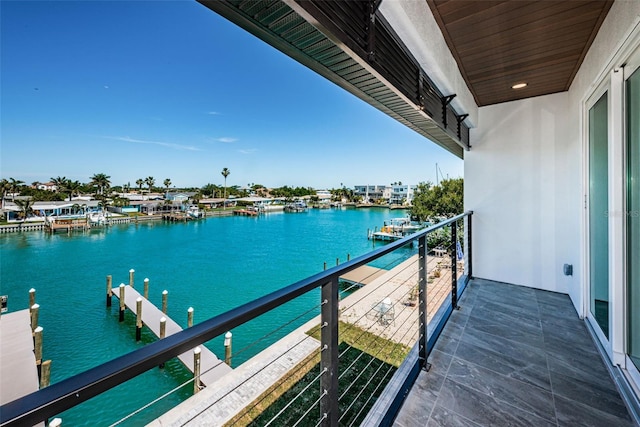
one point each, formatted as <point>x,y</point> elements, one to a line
<point>18,370</point>
<point>211,367</point>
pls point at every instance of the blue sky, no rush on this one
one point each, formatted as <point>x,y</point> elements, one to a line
<point>170,89</point>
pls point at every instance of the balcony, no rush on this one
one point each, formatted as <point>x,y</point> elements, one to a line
<point>514,356</point>
<point>417,343</point>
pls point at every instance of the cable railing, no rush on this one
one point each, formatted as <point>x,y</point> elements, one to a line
<point>351,365</point>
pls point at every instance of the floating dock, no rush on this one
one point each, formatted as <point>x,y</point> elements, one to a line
<point>362,275</point>
<point>18,368</point>
<point>211,367</point>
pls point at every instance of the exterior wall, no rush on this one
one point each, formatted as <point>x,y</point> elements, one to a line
<point>524,176</point>
<point>518,180</point>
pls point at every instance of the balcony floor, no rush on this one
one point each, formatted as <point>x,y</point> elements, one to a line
<point>514,356</point>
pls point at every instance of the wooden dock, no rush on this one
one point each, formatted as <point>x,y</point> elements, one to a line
<point>245,212</point>
<point>363,275</point>
<point>211,367</point>
<point>18,369</point>
<point>68,225</point>
<point>176,217</point>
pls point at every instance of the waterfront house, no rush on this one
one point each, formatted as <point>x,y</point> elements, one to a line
<point>542,101</point>
<point>370,193</point>
<point>402,194</point>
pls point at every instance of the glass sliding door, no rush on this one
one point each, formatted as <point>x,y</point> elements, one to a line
<point>633,216</point>
<point>598,214</point>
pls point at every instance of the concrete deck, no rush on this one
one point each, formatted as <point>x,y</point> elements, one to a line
<point>514,356</point>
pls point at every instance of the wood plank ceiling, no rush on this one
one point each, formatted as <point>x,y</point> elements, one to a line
<point>501,43</point>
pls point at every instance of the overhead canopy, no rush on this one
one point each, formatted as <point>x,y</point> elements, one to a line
<point>351,44</point>
<point>496,44</point>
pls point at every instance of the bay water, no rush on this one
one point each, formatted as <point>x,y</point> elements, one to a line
<point>212,265</point>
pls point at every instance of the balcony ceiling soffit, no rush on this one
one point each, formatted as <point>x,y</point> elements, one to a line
<point>504,42</point>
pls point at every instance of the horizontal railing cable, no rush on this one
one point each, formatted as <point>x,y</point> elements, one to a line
<point>372,394</point>
<point>389,343</point>
<point>250,377</point>
<point>281,327</point>
<point>317,378</point>
<point>364,315</point>
<point>153,402</point>
<point>310,359</point>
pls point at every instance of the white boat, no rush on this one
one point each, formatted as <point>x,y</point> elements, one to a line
<point>195,212</point>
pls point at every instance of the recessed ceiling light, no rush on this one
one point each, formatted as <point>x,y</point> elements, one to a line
<point>519,85</point>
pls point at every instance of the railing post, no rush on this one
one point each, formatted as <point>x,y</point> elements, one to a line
<point>469,246</point>
<point>422,301</point>
<point>454,272</point>
<point>329,353</point>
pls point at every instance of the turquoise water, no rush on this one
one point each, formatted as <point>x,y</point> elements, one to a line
<point>212,265</point>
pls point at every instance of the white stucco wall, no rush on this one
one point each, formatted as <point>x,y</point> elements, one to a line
<point>524,175</point>
<point>517,177</point>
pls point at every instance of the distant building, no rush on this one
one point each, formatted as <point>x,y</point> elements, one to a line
<point>402,194</point>
<point>180,196</point>
<point>370,193</point>
<point>47,186</point>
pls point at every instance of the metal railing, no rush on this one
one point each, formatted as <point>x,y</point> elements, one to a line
<point>58,397</point>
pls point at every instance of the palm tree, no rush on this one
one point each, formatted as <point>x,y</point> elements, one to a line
<point>60,183</point>
<point>101,182</point>
<point>73,187</point>
<point>150,181</point>
<point>26,208</point>
<point>14,185</point>
<point>139,183</point>
<point>167,183</point>
<point>225,172</point>
<point>5,186</point>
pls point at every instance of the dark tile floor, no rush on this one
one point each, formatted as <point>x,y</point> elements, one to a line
<point>514,356</point>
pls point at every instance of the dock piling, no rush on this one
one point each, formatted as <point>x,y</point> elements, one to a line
<point>337,261</point>
<point>163,332</point>
<point>109,283</point>
<point>138,319</point>
<point>131,273</point>
<point>325,265</point>
<point>121,316</point>
<point>165,295</point>
<point>37,345</point>
<point>146,288</point>
<point>34,316</point>
<point>196,370</point>
<point>189,317</point>
<point>32,297</point>
<point>348,257</point>
<point>227,348</point>
<point>45,376</point>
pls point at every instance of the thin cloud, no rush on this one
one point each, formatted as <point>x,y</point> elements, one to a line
<point>226,139</point>
<point>213,113</point>
<point>248,151</point>
<point>160,143</point>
